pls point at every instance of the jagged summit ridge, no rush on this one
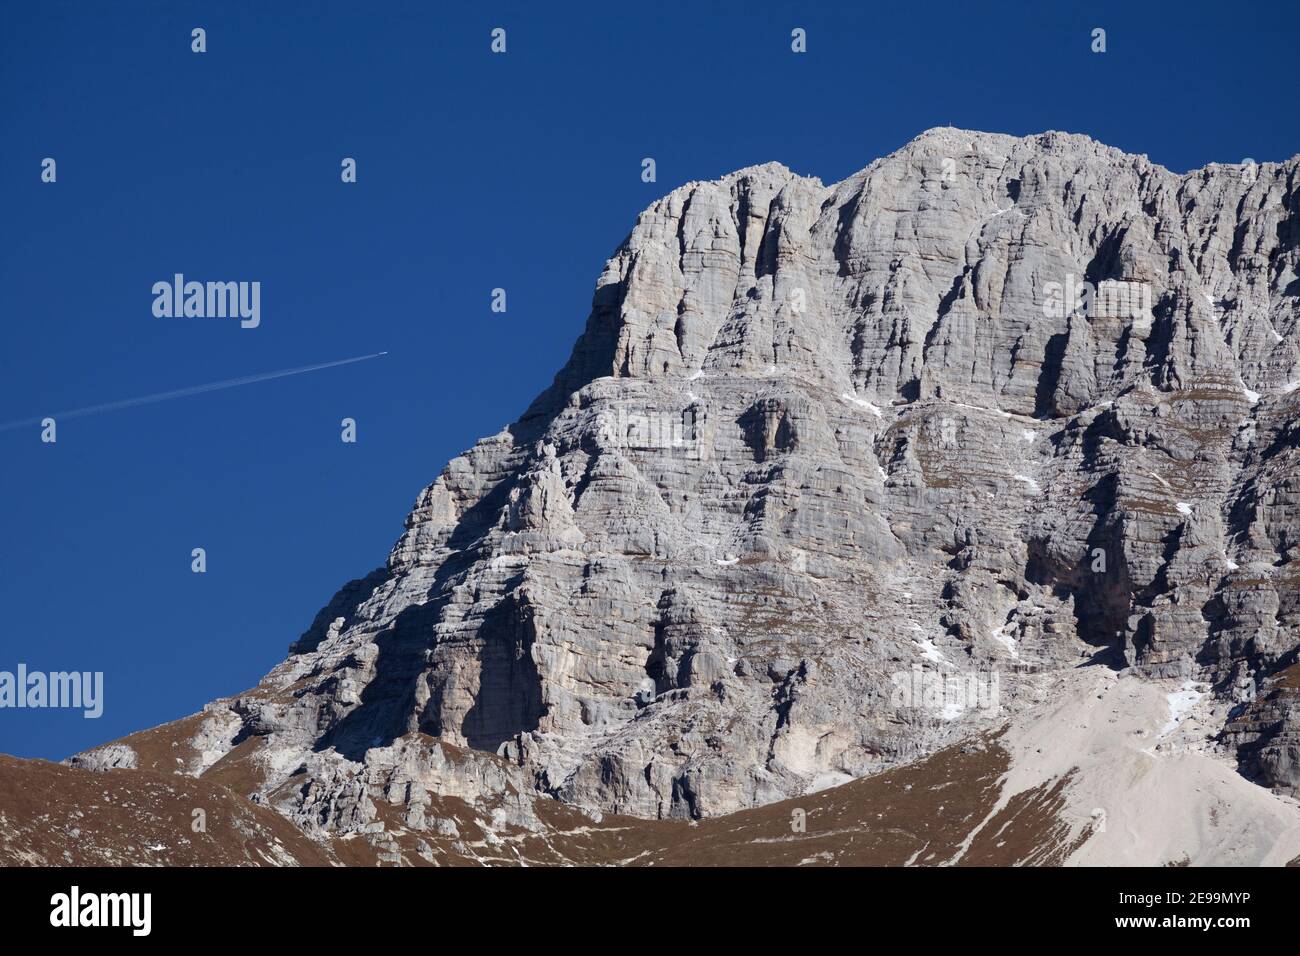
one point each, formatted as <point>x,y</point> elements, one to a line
<point>814,440</point>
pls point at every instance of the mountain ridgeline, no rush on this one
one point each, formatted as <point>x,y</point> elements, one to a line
<point>836,477</point>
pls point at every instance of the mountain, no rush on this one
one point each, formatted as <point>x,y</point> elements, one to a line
<point>979,469</point>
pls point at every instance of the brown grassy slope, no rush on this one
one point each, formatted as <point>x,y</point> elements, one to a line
<point>921,814</point>
<point>51,815</point>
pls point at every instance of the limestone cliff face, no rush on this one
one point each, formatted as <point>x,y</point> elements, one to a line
<point>991,407</point>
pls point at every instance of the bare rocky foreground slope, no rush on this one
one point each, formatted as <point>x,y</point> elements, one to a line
<point>872,480</point>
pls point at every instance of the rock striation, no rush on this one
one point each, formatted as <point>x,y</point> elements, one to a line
<point>835,476</point>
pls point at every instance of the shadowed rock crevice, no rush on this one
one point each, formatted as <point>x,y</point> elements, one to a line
<point>509,698</point>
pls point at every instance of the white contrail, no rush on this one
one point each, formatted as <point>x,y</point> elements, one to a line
<point>184,392</point>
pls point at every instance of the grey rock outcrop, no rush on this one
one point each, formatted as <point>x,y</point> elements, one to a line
<point>991,407</point>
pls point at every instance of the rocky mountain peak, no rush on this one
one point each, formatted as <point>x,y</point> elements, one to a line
<point>834,477</point>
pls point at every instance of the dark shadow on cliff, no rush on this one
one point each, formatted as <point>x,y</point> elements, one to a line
<point>388,701</point>
<point>509,697</point>
<point>507,702</point>
<point>1049,378</point>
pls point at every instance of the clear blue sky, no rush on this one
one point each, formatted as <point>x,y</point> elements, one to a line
<point>475,171</point>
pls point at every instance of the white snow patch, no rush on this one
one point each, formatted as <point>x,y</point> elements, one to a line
<point>1028,435</point>
<point>1003,636</point>
<point>1251,396</point>
<point>1181,703</point>
<point>828,779</point>
<point>930,652</point>
<point>1183,508</point>
<point>980,408</point>
<point>1033,485</point>
<point>1232,565</point>
<point>728,562</point>
<point>1289,387</point>
<point>952,709</point>
<point>869,406</point>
